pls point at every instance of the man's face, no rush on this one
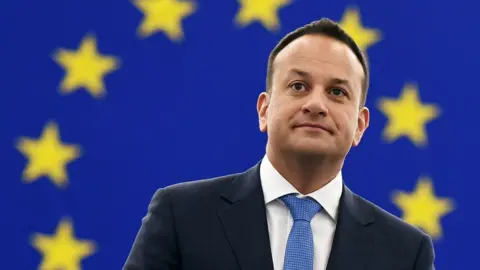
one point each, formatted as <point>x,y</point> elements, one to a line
<point>314,104</point>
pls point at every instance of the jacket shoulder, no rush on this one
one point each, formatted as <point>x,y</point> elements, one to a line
<point>205,185</point>
<point>389,224</point>
<point>194,191</point>
<point>397,239</point>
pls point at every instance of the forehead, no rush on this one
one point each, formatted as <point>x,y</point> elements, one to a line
<point>320,54</point>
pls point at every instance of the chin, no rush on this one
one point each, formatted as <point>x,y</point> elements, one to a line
<point>309,148</point>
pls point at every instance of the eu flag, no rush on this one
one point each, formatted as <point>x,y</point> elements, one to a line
<point>102,102</point>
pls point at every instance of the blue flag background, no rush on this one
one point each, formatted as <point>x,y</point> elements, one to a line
<point>103,102</point>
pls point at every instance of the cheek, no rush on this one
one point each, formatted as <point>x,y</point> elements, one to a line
<point>280,114</point>
<point>352,123</point>
<point>274,117</point>
<point>349,124</point>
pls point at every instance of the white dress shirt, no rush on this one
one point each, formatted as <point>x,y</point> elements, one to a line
<point>280,220</point>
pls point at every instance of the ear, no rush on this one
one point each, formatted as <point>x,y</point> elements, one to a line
<point>262,105</point>
<point>363,122</point>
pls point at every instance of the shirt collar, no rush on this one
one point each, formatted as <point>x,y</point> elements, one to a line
<point>274,186</point>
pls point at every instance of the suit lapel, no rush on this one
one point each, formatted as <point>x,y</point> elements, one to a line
<point>244,221</point>
<point>353,243</point>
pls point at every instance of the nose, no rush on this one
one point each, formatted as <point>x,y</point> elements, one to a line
<point>315,105</point>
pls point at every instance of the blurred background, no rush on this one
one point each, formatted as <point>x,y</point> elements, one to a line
<point>103,102</point>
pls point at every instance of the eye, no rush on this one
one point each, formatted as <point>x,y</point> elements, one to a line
<point>338,92</point>
<point>298,86</point>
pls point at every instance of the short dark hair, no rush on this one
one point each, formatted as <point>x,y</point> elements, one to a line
<point>328,28</point>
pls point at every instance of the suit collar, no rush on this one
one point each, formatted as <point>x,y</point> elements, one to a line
<point>243,185</point>
<point>353,205</point>
<point>244,221</point>
<point>352,242</point>
<point>243,217</point>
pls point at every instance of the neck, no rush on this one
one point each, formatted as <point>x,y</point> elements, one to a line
<point>306,172</point>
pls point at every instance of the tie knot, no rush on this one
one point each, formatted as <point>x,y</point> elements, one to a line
<point>301,208</point>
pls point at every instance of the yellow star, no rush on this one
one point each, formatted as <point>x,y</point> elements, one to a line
<point>62,250</point>
<point>47,156</point>
<point>364,37</point>
<point>85,68</point>
<point>264,11</point>
<point>165,16</point>
<point>422,209</point>
<point>407,116</point>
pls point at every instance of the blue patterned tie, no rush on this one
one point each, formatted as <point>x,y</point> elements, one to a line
<point>299,251</point>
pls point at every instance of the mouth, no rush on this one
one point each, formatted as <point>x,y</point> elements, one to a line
<point>313,126</point>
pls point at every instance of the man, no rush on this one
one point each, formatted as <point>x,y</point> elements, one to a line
<point>291,210</point>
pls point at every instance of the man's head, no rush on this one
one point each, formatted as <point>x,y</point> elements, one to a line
<point>317,82</point>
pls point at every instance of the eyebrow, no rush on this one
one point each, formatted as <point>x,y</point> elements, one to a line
<point>300,73</point>
<point>307,75</point>
<point>340,81</point>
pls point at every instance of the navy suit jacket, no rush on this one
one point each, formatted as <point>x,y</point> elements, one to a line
<point>220,224</point>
